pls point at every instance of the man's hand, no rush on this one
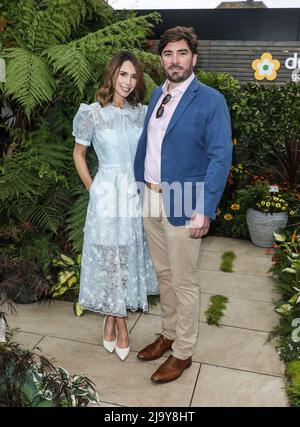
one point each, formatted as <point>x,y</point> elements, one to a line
<point>199,225</point>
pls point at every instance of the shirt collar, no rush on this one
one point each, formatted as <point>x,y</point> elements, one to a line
<point>180,88</point>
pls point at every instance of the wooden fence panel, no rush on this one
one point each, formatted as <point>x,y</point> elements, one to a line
<point>236,56</point>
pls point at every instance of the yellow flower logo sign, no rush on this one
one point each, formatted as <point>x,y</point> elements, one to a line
<point>266,67</point>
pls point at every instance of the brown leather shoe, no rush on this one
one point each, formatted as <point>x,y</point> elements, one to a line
<point>156,349</point>
<point>170,370</point>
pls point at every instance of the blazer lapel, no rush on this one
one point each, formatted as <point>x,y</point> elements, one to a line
<point>187,97</point>
<point>141,149</point>
<point>152,105</point>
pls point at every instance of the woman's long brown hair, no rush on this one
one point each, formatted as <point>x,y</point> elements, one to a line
<point>105,94</point>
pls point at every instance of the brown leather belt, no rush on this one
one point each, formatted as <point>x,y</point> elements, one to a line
<point>154,187</point>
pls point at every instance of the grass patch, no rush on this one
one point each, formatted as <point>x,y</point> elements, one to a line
<point>293,389</point>
<point>227,261</point>
<point>215,310</point>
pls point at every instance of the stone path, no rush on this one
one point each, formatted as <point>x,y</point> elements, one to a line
<point>233,364</point>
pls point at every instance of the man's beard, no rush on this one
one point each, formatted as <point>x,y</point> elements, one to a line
<point>179,76</point>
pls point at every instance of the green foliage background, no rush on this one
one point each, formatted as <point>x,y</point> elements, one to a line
<point>55,51</point>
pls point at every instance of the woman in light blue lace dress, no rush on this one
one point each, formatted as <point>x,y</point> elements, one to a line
<point>116,271</point>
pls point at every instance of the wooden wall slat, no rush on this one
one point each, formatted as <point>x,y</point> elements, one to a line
<point>236,56</point>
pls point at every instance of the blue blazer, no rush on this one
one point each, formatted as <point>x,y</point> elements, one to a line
<point>196,148</point>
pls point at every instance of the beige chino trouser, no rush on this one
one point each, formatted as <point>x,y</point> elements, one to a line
<point>176,259</point>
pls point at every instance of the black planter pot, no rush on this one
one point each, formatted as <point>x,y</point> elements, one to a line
<point>22,294</point>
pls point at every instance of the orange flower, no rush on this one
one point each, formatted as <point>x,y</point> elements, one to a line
<point>235,207</point>
<point>228,217</point>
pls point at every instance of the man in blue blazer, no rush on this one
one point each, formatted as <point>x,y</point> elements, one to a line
<point>184,158</point>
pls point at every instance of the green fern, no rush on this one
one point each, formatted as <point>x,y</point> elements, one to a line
<point>76,221</point>
<point>16,182</point>
<point>43,54</point>
<point>28,79</point>
<point>56,51</point>
<point>33,185</point>
<point>63,58</point>
<point>120,35</point>
<point>44,23</point>
<point>150,86</point>
<point>48,213</point>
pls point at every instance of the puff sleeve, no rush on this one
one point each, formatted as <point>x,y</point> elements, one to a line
<point>83,125</point>
<point>144,109</point>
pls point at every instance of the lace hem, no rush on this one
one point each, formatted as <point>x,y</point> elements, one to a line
<point>144,308</point>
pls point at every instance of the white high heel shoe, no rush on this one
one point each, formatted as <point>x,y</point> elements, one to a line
<point>122,353</point>
<point>108,345</point>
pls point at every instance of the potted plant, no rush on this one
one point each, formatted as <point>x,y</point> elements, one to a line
<point>26,270</point>
<point>266,209</point>
<point>30,379</point>
<point>66,287</point>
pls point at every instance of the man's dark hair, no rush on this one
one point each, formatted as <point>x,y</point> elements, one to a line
<point>176,34</point>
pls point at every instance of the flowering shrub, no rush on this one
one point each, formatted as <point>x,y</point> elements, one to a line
<point>230,220</point>
<point>273,203</point>
<point>259,196</point>
<point>286,271</point>
<point>245,190</point>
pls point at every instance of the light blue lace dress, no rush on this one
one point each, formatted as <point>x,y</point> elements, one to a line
<point>116,270</point>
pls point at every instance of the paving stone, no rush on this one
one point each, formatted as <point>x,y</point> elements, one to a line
<point>239,367</point>
<point>224,346</point>
<point>103,405</point>
<point>239,312</point>
<point>58,320</point>
<point>27,340</point>
<point>243,264</point>
<point>244,313</point>
<point>237,348</point>
<point>238,285</point>
<point>218,386</point>
<point>124,383</point>
<point>109,405</point>
<point>239,246</point>
<point>154,309</point>
<point>144,332</point>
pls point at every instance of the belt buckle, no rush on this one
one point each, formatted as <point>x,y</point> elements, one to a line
<point>154,187</point>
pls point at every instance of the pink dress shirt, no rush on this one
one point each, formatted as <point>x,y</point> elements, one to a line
<point>157,128</point>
